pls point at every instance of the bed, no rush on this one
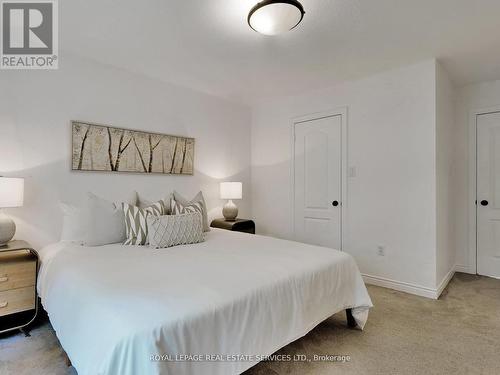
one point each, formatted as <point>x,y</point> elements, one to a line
<point>218,307</point>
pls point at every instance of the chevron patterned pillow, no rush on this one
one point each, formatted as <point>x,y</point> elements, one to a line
<point>197,204</point>
<point>136,227</point>
<point>183,207</point>
<point>172,230</point>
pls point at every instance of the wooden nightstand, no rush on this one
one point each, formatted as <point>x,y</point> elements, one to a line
<point>238,225</point>
<point>18,274</point>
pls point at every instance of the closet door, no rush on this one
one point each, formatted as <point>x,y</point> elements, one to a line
<point>317,181</point>
<point>488,195</point>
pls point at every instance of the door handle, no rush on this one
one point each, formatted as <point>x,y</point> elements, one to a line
<point>335,203</point>
<point>484,202</point>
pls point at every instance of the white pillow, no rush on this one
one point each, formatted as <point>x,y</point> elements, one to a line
<point>81,224</point>
<point>74,223</point>
<point>105,222</point>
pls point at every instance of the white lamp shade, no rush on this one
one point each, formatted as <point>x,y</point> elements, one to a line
<point>231,190</point>
<point>11,192</point>
<point>275,17</point>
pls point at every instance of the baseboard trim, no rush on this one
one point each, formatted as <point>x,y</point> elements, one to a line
<point>409,287</point>
<point>401,286</point>
<point>445,281</point>
<point>464,269</point>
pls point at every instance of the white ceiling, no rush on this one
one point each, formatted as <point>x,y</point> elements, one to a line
<point>207,45</point>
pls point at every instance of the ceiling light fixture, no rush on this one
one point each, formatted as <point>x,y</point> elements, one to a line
<point>272,17</point>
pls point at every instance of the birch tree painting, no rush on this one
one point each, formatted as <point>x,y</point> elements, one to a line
<point>106,148</point>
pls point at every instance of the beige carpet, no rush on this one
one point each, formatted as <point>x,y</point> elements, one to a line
<point>405,334</point>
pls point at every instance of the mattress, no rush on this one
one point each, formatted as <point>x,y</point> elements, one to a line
<point>217,307</point>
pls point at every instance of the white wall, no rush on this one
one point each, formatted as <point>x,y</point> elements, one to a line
<point>469,99</point>
<point>399,126</point>
<point>392,144</point>
<point>446,196</point>
<point>36,108</point>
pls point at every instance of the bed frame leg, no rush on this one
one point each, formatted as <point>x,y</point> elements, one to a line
<point>351,322</point>
<point>68,361</point>
<point>25,331</point>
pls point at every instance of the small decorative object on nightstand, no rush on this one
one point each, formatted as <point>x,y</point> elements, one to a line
<point>11,195</point>
<point>230,190</point>
<point>18,274</point>
<point>238,225</point>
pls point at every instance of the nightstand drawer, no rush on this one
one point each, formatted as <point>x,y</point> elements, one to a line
<point>17,274</point>
<point>17,300</point>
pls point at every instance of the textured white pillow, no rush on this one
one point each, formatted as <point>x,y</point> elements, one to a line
<point>171,230</point>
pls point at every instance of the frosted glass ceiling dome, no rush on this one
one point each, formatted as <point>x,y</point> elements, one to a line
<point>272,17</point>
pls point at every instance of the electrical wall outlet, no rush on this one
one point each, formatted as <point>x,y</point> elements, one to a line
<point>381,250</point>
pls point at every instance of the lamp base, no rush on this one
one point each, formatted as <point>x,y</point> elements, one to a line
<point>7,229</point>
<point>230,211</point>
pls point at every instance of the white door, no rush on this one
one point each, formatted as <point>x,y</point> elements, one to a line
<point>318,167</point>
<point>488,195</point>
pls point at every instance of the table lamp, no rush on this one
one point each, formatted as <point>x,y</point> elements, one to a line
<point>230,191</point>
<point>11,195</point>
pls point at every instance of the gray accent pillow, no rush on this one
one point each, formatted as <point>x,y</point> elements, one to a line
<point>172,230</point>
<point>135,221</point>
<point>198,201</point>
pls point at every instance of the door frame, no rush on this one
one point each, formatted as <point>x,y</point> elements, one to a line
<point>342,112</point>
<point>472,206</point>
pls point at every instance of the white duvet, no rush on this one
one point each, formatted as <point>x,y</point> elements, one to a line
<point>212,308</point>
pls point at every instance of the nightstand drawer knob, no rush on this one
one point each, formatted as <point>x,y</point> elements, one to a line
<point>4,279</point>
<point>3,304</point>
